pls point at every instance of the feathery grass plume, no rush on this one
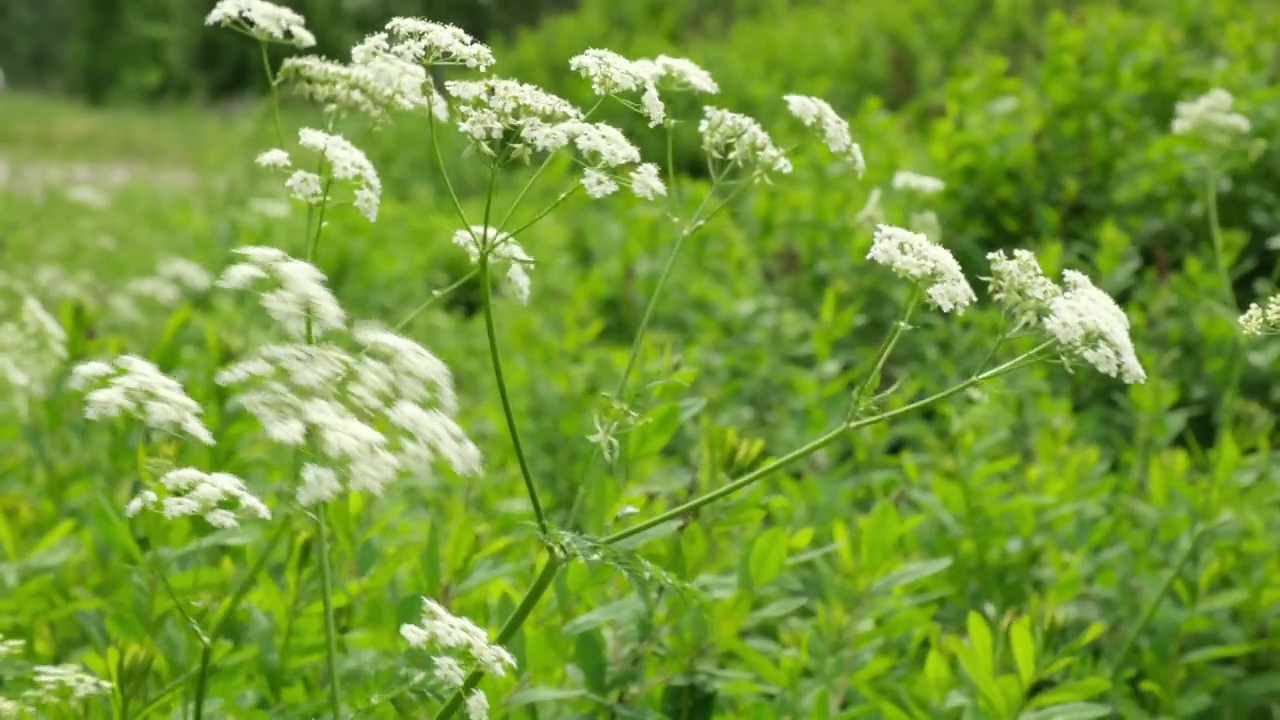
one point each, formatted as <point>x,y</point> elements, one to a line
<point>430,43</point>
<point>134,387</point>
<point>450,636</point>
<point>174,278</point>
<point>1259,320</point>
<point>498,115</point>
<point>816,113</point>
<point>58,684</point>
<point>914,257</point>
<point>741,141</point>
<point>1090,326</point>
<point>207,495</point>
<point>1209,116</point>
<point>32,348</point>
<point>343,162</point>
<point>262,20</point>
<point>296,296</point>
<point>503,248</point>
<point>1018,285</point>
<point>915,182</point>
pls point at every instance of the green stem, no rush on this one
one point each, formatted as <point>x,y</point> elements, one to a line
<point>883,355</point>
<point>495,357</point>
<point>546,210</point>
<point>540,585</point>
<point>435,295</point>
<point>444,174</point>
<point>1219,251</point>
<point>508,631</point>
<point>275,93</point>
<point>330,628</point>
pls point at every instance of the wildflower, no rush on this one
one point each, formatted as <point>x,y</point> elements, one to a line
<point>602,145</point>
<point>1262,321</point>
<point>31,348</point>
<point>262,20</point>
<point>477,705</point>
<point>682,75</point>
<point>58,683</point>
<point>9,648</point>
<point>914,257</point>
<point>817,113</point>
<point>495,111</point>
<point>609,72</point>
<point>604,439</point>
<point>741,141</point>
<point>598,184</point>
<point>275,159</point>
<point>1019,286</point>
<point>645,182</point>
<point>449,671</point>
<point>130,385</point>
<point>1211,116</point>
<point>1090,326</point>
<point>305,186</point>
<point>345,162</point>
<point>196,493</point>
<point>915,182</point>
<point>298,300</point>
<point>501,247</point>
<point>430,43</point>
<point>440,629</point>
<point>10,708</point>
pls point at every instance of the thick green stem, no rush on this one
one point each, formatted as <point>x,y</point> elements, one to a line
<point>486,300</point>
<point>330,628</point>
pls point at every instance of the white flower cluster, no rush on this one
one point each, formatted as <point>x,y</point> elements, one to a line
<point>818,114</point>
<point>195,493</point>
<point>374,415</point>
<point>741,141</point>
<point>1090,326</point>
<point>62,683</point>
<point>430,43</point>
<point>915,182</point>
<point>174,278</point>
<point>10,647</point>
<point>375,82</point>
<point>914,257</point>
<point>1210,116</point>
<point>613,74</point>
<point>297,297</point>
<point>501,247</point>
<point>1258,320</point>
<point>343,161</point>
<point>265,21</point>
<point>134,387</point>
<point>1019,286</point>
<point>439,631</point>
<point>32,347</point>
<point>495,113</point>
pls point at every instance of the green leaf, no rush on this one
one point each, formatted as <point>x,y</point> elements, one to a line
<point>654,434</point>
<point>533,695</point>
<point>909,573</point>
<point>589,656</point>
<point>688,701</point>
<point>1218,652</point>
<point>981,642</point>
<point>768,557</point>
<point>1070,692</point>
<point>1024,649</point>
<point>1069,711</point>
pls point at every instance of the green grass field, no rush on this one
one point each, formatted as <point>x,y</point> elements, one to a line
<point>907,537</point>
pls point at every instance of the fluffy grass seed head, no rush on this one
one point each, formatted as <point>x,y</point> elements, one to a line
<point>1210,116</point>
<point>816,113</point>
<point>502,248</point>
<point>134,387</point>
<point>222,499</point>
<point>291,291</point>
<point>1018,285</point>
<point>740,140</point>
<point>914,257</point>
<point>1090,326</point>
<point>1259,320</point>
<point>915,182</point>
<point>32,348</point>
<point>262,20</point>
<point>439,630</point>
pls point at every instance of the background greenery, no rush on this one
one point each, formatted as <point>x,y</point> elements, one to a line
<point>1128,536</point>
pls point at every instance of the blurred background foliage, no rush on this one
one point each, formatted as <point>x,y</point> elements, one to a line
<point>1063,498</point>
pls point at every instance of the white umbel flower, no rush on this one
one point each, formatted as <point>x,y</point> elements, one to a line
<point>62,683</point>
<point>134,387</point>
<point>10,647</point>
<point>610,73</point>
<point>494,111</point>
<point>222,499</point>
<point>349,164</point>
<point>646,183</point>
<point>598,184</point>
<point>429,43</point>
<point>1259,320</point>
<point>477,705</point>
<point>293,292</point>
<point>1089,325</point>
<point>32,348</point>
<point>681,75</point>
<point>602,145</point>
<point>914,257</point>
<point>741,141</point>
<point>1210,116</point>
<point>449,671</point>
<point>915,182</point>
<point>376,82</point>
<point>501,247</point>
<point>441,630</point>
<point>818,114</point>
<point>1018,285</point>
<point>265,21</point>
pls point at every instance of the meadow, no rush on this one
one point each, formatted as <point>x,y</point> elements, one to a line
<point>329,403</point>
